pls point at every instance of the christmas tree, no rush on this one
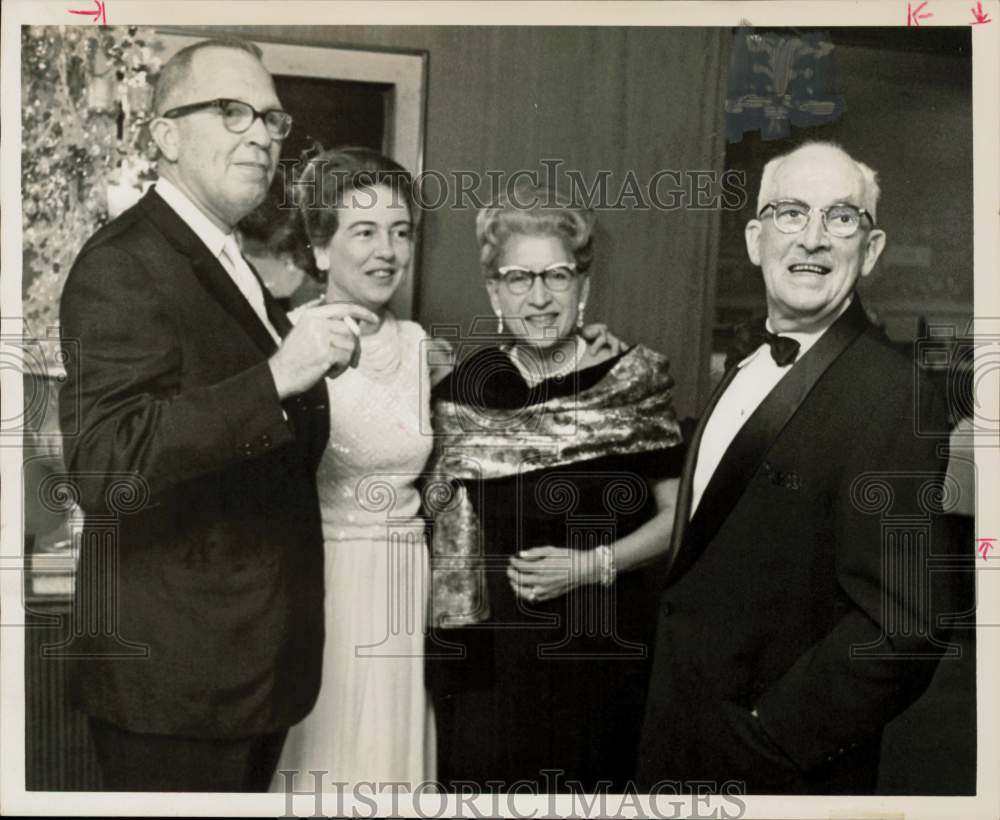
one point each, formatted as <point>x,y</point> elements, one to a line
<point>86,99</point>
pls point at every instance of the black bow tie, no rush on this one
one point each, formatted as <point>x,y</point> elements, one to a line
<point>784,349</point>
<point>747,337</point>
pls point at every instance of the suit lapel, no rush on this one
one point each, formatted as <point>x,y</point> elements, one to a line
<point>745,453</point>
<point>210,273</point>
<point>275,312</point>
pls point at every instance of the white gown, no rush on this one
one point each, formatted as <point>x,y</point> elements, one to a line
<point>372,720</point>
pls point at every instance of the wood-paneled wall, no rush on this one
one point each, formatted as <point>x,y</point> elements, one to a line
<point>616,100</point>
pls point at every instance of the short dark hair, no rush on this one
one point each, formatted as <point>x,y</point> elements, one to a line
<point>320,189</point>
<point>177,69</point>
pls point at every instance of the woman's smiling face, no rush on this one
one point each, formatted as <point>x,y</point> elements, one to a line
<point>540,316</point>
<point>368,254</point>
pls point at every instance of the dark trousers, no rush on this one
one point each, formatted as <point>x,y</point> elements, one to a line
<point>164,763</point>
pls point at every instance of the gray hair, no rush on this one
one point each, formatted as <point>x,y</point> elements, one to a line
<point>539,211</point>
<point>869,197</point>
<point>177,69</point>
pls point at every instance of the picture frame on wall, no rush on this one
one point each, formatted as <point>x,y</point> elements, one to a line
<point>337,95</point>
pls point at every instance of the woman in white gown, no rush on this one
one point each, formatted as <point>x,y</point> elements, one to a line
<point>372,720</point>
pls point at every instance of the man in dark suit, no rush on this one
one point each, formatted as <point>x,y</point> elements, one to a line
<point>798,617</point>
<point>200,418</point>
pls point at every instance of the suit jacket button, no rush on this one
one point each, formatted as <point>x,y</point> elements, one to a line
<point>265,440</point>
<point>247,449</point>
<point>666,608</point>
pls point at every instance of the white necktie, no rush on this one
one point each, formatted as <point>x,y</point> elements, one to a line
<point>241,274</point>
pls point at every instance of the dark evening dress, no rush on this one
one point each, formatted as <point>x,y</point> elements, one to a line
<point>551,692</point>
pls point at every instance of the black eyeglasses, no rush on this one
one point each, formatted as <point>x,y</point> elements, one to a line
<point>556,277</point>
<point>238,116</point>
<point>840,219</point>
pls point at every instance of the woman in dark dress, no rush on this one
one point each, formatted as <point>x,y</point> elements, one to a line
<point>554,481</point>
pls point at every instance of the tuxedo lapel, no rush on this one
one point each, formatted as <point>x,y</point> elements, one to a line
<point>209,271</point>
<point>745,453</point>
<point>682,511</point>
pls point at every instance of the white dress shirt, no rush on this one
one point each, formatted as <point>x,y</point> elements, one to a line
<point>223,246</point>
<point>758,375</point>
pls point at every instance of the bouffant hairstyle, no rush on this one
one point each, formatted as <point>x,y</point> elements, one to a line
<point>535,211</point>
<point>326,183</point>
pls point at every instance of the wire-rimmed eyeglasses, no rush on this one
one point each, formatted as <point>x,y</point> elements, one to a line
<point>840,219</point>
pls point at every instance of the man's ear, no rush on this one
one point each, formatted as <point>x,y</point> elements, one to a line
<point>165,134</point>
<point>874,246</point>
<point>752,235</point>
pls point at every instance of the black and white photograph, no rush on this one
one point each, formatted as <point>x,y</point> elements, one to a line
<point>496,409</point>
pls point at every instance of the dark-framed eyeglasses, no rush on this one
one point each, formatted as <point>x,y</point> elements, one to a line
<point>840,219</point>
<point>238,116</point>
<point>556,277</point>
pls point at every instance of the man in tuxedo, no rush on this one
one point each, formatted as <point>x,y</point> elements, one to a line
<point>199,417</point>
<point>797,617</point>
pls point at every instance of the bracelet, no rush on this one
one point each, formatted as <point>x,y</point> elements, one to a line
<point>606,565</point>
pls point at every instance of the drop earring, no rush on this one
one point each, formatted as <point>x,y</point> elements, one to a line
<point>579,315</point>
<point>499,322</point>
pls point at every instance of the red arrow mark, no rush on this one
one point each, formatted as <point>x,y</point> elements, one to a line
<point>980,15</point>
<point>913,15</point>
<point>95,13</point>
